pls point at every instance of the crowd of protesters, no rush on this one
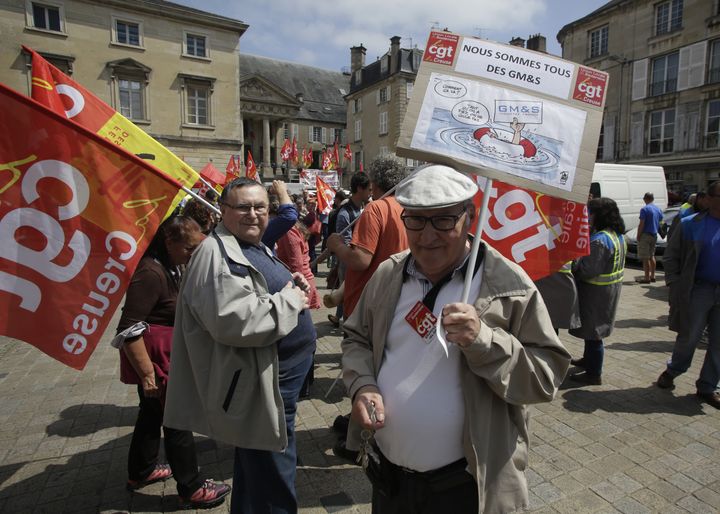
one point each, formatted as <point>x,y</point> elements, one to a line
<point>242,347</point>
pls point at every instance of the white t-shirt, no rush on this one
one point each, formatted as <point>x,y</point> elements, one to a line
<point>421,388</point>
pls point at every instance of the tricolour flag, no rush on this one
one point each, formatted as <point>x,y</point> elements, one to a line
<point>325,196</point>
<point>537,231</point>
<point>52,88</point>
<point>77,212</point>
<point>251,169</point>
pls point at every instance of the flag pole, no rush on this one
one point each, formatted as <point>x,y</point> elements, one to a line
<point>201,199</point>
<point>482,219</point>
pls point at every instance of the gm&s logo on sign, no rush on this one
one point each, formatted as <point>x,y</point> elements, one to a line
<point>441,48</point>
<point>590,86</point>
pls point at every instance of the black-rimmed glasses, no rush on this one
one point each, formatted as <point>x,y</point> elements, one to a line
<point>244,208</point>
<point>442,223</point>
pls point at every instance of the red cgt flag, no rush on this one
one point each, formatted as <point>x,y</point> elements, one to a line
<point>232,170</point>
<point>325,196</point>
<point>336,155</point>
<point>539,232</point>
<point>76,215</point>
<point>348,153</point>
<point>294,152</point>
<point>309,158</point>
<point>251,169</point>
<point>285,151</point>
<point>55,90</point>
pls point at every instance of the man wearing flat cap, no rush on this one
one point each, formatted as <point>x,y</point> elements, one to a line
<point>450,430</point>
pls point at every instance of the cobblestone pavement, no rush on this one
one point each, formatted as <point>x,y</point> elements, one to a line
<point>625,446</point>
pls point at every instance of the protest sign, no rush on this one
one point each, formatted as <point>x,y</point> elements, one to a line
<point>527,118</point>
<point>307,178</point>
<point>76,215</point>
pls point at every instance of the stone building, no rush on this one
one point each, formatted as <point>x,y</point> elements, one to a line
<point>378,98</point>
<point>172,70</point>
<point>282,100</point>
<point>663,98</point>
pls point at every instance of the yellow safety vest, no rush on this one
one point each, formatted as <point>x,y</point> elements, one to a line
<point>618,270</point>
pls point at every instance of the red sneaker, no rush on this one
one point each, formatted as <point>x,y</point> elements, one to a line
<point>160,473</point>
<point>210,495</point>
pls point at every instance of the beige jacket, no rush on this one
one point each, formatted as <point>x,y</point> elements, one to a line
<point>525,364</point>
<point>224,365</point>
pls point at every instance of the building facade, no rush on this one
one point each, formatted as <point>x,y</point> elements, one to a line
<point>282,100</point>
<point>378,98</point>
<point>172,70</point>
<point>663,98</point>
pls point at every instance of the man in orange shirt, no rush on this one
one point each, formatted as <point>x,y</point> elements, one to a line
<point>378,234</point>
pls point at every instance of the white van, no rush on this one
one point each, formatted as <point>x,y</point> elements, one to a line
<point>627,184</point>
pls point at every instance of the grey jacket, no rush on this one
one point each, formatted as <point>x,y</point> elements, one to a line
<point>559,292</point>
<point>525,364</point>
<point>598,303</point>
<point>224,365</point>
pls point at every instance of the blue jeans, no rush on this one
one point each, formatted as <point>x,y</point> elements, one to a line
<point>264,481</point>
<point>704,310</point>
<point>593,355</point>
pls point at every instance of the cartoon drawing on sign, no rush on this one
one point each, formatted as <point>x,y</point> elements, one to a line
<point>500,129</point>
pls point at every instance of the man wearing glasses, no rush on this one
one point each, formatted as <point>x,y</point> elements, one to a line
<point>692,272</point>
<point>242,346</point>
<point>450,430</point>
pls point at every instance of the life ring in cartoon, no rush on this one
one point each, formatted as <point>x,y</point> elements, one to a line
<point>518,146</point>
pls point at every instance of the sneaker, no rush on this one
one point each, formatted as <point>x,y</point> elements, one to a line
<point>586,378</point>
<point>211,494</point>
<point>666,381</point>
<point>580,363</point>
<point>340,450</point>
<point>161,473</point>
<point>710,398</point>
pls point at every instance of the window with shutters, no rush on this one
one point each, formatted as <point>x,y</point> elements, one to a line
<point>662,131</point>
<point>664,75</point>
<point>383,95</point>
<point>598,43</point>
<point>358,130</point>
<point>383,125</point>
<point>337,135</point>
<point>668,16</point>
<point>714,71</point>
<point>712,134</point>
<point>316,135</point>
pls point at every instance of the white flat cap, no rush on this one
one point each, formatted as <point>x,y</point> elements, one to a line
<point>434,186</point>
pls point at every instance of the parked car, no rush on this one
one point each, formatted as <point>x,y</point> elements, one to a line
<point>631,237</point>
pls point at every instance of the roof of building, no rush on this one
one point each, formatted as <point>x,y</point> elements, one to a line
<point>409,62</point>
<point>610,5</point>
<point>173,10</point>
<point>322,90</point>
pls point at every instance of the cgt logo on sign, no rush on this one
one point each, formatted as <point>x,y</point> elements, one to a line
<point>590,86</point>
<point>441,48</point>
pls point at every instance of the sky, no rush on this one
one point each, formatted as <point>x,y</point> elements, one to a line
<point>320,32</point>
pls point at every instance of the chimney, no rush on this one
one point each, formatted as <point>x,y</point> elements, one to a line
<point>518,41</point>
<point>357,57</point>
<point>538,43</point>
<point>394,52</point>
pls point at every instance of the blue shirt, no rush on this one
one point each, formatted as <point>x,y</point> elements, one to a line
<point>278,226</point>
<point>300,342</point>
<point>707,265</point>
<point>652,216</point>
<point>346,215</point>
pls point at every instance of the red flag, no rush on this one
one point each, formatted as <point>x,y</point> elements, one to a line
<point>250,168</point>
<point>325,196</point>
<point>285,151</point>
<point>294,152</point>
<point>212,175</point>
<point>232,170</point>
<point>361,166</point>
<point>309,158</point>
<point>52,88</point>
<point>326,162</point>
<point>539,232</point>
<point>348,153</point>
<point>77,214</point>
<point>336,155</point>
